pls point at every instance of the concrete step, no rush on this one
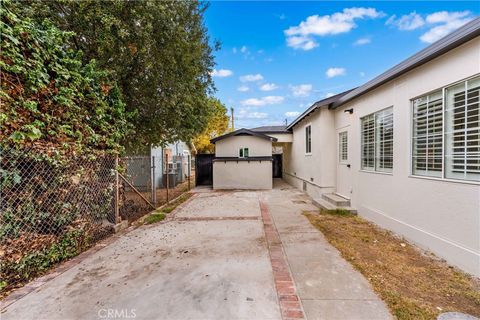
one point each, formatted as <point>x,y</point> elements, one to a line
<point>324,204</point>
<point>336,200</point>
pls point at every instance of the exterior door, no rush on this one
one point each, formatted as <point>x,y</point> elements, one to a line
<point>344,174</point>
<point>277,166</point>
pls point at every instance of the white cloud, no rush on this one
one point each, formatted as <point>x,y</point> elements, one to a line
<point>301,42</point>
<point>449,21</point>
<point>362,74</point>
<point>440,23</point>
<point>292,114</point>
<point>445,16</point>
<point>362,41</point>
<point>243,88</point>
<point>335,72</point>
<point>329,94</point>
<point>251,77</point>
<point>222,73</point>
<point>301,36</point>
<point>245,113</point>
<point>243,49</point>
<point>257,115</point>
<point>409,21</point>
<point>273,99</point>
<point>302,90</point>
<point>258,102</point>
<point>268,87</point>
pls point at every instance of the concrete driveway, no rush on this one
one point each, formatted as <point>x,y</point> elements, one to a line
<point>224,255</point>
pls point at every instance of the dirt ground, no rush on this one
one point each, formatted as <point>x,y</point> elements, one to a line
<point>414,284</point>
<point>134,206</point>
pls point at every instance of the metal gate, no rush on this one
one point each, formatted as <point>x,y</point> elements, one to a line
<point>204,169</point>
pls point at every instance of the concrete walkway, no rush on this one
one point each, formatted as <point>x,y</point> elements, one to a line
<point>210,262</point>
<point>327,285</point>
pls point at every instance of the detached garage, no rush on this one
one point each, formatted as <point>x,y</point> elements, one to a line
<point>243,160</point>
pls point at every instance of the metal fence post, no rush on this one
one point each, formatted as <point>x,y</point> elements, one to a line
<point>166,169</point>
<point>154,187</point>
<point>189,171</point>
<point>117,193</point>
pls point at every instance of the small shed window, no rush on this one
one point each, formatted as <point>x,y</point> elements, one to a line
<point>308,139</point>
<point>343,146</point>
<point>243,153</point>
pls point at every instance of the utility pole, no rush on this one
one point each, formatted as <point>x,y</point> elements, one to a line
<point>286,123</point>
<point>233,119</point>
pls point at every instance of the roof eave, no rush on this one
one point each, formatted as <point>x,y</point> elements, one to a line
<point>462,35</point>
<point>246,131</point>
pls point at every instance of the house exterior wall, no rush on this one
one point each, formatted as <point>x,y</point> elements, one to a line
<point>314,172</point>
<point>439,215</point>
<point>243,174</point>
<point>281,137</point>
<point>172,150</point>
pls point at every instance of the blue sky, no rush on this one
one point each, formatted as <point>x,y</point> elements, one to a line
<point>277,58</point>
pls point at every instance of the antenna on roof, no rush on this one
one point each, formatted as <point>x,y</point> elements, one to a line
<point>233,119</point>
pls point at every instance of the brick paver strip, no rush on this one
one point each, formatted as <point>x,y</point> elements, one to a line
<point>290,304</point>
<point>216,218</point>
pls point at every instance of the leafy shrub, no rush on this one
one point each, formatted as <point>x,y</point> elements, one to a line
<point>49,98</point>
<point>37,262</point>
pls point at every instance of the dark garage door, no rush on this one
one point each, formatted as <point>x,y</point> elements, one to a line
<point>204,169</point>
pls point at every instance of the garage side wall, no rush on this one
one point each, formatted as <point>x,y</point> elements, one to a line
<point>242,175</point>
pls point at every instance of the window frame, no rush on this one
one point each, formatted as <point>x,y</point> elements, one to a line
<point>241,152</point>
<point>375,168</point>
<point>442,176</point>
<point>308,152</point>
<point>341,149</point>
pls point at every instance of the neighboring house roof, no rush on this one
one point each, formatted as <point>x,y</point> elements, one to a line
<point>325,102</point>
<point>243,132</point>
<point>271,129</point>
<point>458,37</point>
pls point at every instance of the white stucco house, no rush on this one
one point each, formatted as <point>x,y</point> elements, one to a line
<point>402,150</point>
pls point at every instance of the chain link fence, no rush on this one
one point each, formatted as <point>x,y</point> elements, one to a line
<point>53,210</point>
<point>153,181</point>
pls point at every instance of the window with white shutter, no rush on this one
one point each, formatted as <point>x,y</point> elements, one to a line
<point>446,132</point>
<point>368,142</point>
<point>377,141</point>
<point>308,139</point>
<point>343,146</point>
<point>428,135</point>
<point>384,140</point>
<point>462,131</point>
